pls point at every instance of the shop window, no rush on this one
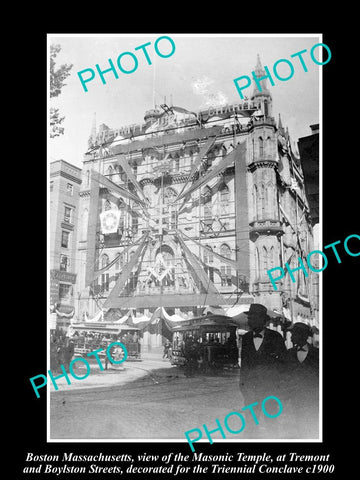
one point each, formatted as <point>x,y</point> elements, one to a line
<point>65,290</point>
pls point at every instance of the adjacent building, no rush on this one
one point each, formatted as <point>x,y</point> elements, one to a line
<point>65,180</point>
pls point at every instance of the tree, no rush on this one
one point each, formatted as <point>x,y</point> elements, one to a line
<point>57,78</point>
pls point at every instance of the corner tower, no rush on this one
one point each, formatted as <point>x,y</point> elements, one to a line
<point>264,221</point>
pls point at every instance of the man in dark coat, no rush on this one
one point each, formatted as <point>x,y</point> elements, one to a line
<point>302,383</point>
<point>263,357</point>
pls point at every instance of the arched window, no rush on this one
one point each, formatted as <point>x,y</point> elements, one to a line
<point>104,260</point>
<point>262,203</point>
<point>209,260</point>
<point>177,162</point>
<point>107,205</point>
<point>255,202</point>
<point>224,198</point>
<point>269,148</point>
<point>269,202</point>
<point>120,261</point>
<point>104,276</point>
<point>257,263</point>
<point>169,217</point>
<point>109,170</point>
<point>261,147</point>
<point>225,270</point>
<point>264,258</point>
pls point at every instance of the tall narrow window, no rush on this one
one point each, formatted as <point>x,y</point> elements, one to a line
<point>65,236</point>
<point>269,194</point>
<point>169,212</point>
<point>209,260</point>
<point>225,270</point>
<point>67,214</point>
<point>120,261</point>
<point>224,198</point>
<point>64,263</point>
<point>104,260</point>
<point>263,201</point>
<point>255,202</point>
<point>268,147</point>
<point>261,147</point>
<point>134,224</point>
<point>264,254</point>
<point>105,280</point>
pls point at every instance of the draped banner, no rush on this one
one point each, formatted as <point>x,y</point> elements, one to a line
<point>66,315</point>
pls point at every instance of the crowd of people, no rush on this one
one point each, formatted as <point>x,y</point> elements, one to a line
<point>268,368</point>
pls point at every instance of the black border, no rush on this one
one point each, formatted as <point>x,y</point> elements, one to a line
<point>340,219</point>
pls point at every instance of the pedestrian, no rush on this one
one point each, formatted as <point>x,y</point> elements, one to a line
<point>263,357</point>
<point>302,384</point>
<point>166,349</point>
<point>68,353</point>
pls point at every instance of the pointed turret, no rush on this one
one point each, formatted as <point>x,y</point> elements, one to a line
<point>264,96</point>
<point>280,127</point>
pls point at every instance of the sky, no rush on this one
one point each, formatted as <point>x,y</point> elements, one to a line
<point>198,74</point>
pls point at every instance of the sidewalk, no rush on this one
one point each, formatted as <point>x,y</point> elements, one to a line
<point>115,375</point>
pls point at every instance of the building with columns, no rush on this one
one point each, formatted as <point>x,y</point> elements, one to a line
<point>187,211</point>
